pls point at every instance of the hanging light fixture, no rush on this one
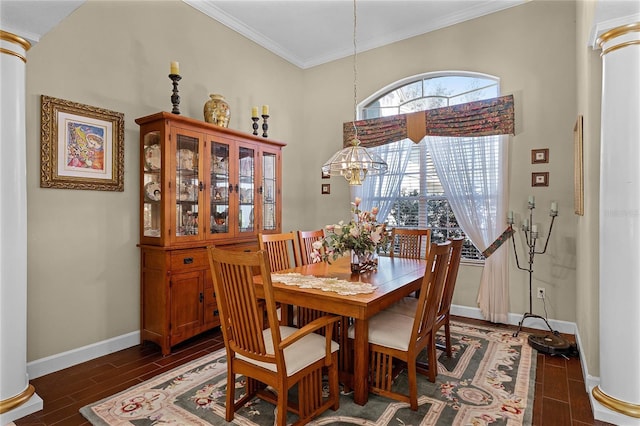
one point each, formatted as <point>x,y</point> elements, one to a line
<point>354,162</point>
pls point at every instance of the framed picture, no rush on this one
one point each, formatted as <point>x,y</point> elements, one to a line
<point>540,179</point>
<point>539,156</point>
<point>81,147</point>
<point>325,174</point>
<point>326,188</point>
<point>578,172</point>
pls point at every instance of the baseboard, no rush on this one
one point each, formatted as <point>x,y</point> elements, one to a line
<point>558,325</point>
<point>70,358</point>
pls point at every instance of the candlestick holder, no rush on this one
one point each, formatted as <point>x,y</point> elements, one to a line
<point>175,97</point>
<point>531,237</point>
<point>255,125</point>
<point>265,125</point>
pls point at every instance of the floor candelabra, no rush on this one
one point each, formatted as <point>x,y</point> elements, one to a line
<point>531,236</point>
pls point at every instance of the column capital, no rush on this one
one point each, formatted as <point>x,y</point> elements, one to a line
<point>12,44</point>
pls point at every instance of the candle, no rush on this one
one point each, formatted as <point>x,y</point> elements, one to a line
<point>525,224</point>
<point>254,112</point>
<point>534,228</point>
<point>510,216</point>
<point>554,207</point>
<point>265,109</point>
<point>175,67</point>
<point>532,200</point>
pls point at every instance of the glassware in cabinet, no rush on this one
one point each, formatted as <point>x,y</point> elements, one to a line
<point>152,184</point>
<point>187,185</point>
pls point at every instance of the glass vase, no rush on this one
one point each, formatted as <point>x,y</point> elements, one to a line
<point>361,262</point>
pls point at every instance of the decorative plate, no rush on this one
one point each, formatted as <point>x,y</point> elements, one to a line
<point>152,157</point>
<point>185,159</point>
<point>152,191</point>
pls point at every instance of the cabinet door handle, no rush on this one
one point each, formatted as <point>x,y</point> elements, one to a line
<point>201,297</point>
<point>201,186</point>
<point>260,190</point>
<point>230,188</point>
<point>236,187</point>
<point>187,260</point>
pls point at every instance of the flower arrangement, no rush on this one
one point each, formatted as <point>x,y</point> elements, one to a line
<point>362,236</point>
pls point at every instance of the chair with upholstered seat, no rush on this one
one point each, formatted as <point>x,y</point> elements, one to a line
<point>279,357</point>
<point>410,243</point>
<point>408,305</point>
<point>400,338</point>
<point>305,242</point>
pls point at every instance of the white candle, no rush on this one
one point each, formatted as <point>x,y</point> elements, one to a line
<point>532,200</point>
<point>554,207</point>
<point>525,224</point>
<point>510,215</point>
<point>534,228</point>
<point>265,109</point>
<point>175,67</point>
<point>254,112</point>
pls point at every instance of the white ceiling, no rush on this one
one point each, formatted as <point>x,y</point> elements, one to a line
<point>304,32</point>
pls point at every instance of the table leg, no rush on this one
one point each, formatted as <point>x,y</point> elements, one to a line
<point>361,362</point>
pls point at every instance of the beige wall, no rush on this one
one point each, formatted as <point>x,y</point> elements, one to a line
<point>83,260</point>
<point>589,87</point>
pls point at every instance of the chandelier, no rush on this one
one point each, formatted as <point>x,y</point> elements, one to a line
<point>354,162</point>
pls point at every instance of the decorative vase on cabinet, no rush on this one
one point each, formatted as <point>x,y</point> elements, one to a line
<point>200,185</point>
<point>216,111</point>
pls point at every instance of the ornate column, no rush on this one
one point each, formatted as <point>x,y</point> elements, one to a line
<point>618,394</point>
<point>17,396</point>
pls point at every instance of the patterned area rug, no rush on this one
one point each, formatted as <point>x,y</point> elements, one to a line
<point>488,381</point>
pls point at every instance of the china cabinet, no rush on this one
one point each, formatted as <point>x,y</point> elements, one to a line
<point>200,185</point>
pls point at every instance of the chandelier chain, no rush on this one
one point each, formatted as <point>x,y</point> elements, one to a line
<point>355,70</point>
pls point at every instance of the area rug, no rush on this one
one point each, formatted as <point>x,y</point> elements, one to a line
<point>489,380</point>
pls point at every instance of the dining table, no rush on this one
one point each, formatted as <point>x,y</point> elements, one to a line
<point>394,278</point>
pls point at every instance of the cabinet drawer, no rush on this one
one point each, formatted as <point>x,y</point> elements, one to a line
<point>189,259</point>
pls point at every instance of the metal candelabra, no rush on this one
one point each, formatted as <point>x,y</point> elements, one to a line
<point>531,237</point>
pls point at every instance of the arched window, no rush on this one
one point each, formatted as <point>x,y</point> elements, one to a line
<point>411,194</point>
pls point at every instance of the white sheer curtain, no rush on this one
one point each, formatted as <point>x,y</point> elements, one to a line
<point>386,187</point>
<point>473,172</point>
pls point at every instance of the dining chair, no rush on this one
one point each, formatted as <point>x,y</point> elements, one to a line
<point>408,305</point>
<point>410,243</point>
<point>279,357</point>
<point>280,248</point>
<point>393,336</point>
<point>305,242</point>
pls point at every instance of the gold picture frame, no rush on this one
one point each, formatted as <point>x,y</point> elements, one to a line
<point>578,171</point>
<point>81,147</point>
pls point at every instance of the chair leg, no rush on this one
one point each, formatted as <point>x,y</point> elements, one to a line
<point>447,338</point>
<point>231,391</point>
<point>413,385</point>
<point>433,361</point>
<point>334,386</point>
<point>282,406</point>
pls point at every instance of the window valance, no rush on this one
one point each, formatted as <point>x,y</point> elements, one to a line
<point>479,118</point>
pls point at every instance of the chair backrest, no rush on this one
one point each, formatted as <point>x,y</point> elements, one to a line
<point>431,290</point>
<point>410,243</point>
<point>305,242</point>
<point>241,311</point>
<point>279,248</point>
<point>452,275</point>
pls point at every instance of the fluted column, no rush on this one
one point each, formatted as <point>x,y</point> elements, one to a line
<point>619,388</point>
<point>17,396</point>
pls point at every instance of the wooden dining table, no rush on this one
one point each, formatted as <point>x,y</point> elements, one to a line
<point>394,279</point>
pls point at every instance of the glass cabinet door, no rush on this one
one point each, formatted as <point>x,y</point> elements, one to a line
<point>152,185</point>
<point>268,191</point>
<point>187,185</point>
<point>219,186</point>
<point>246,188</point>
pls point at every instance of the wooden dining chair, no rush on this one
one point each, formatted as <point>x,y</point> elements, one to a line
<point>393,336</point>
<point>443,315</point>
<point>280,357</point>
<point>410,243</point>
<point>408,305</point>
<point>280,248</point>
<point>305,242</point>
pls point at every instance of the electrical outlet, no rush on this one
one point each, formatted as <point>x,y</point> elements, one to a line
<point>541,293</point>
